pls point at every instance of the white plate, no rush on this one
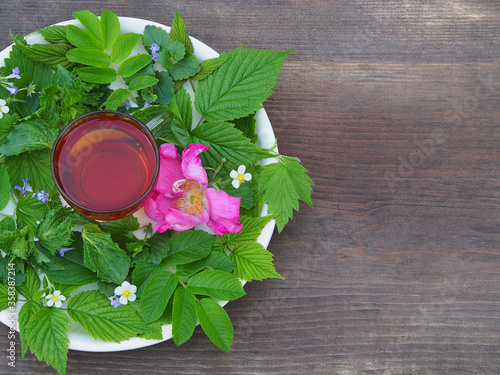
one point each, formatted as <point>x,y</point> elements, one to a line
<point>79,339</point>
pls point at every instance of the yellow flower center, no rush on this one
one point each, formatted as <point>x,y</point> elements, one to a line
<point>54,299</point>
<point>240,177</point>
<point>126,293</point>
<point>192,200</point>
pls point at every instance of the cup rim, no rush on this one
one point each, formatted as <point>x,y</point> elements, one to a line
<point>72,202</point>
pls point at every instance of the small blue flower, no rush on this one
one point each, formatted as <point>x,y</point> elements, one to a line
<point>63,249</point>
<point>15,73</point>
<point>41,196</point>
<point>155,48</point>
<point>22,189</point>
<point>11,88</point>
<point>146,104</point>
<point>115,301</point>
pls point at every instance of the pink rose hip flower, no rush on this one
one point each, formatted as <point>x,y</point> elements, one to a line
<point>182,199</point>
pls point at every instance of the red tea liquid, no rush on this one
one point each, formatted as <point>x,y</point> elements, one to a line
<point>105,163</point>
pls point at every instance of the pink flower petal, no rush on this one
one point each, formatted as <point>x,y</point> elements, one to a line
<point>224,211</point>
<point>170,169</point>
<point>191,163</point>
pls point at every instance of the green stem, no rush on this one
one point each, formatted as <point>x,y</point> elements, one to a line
<point>173,271</point>
<point>5,215</point>
<point>192,86</point>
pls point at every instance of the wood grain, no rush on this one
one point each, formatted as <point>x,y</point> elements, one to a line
<point>393,106</point>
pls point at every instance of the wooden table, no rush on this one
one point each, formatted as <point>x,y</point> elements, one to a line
<point>393,106</point>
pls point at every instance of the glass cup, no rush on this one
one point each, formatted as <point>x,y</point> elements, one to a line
<point>105,164</point>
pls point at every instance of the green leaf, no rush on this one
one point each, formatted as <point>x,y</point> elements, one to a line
<point>47,336</point>
<point>90,21</point>
<point>215,260</point>
<point>179,32</point>
<point>55,231</point>
<point>25,314</point>
<point>121,229</point>
<point>6,123</point>
<point>29,135</point>
<point>282,185</point>
<point>183,315</point>
<point>29,210</point>
<point>164,88</point>
<point>182,108</point>
<point>133,64</point>
<point>110,28</point>
<point>240,85</point>
<point>185,68</point>
<point>154,34</point>
<point>207,67</point>
<point>142,82</point>
<point>156,294</point>
<point>216,284</point>
<point>228,143</point>
<point>97,75</point>
<point>251,231</point>
<point>116,98</point>
<point>31,285</point>
<point>81,39</point>
<point>189,246</point>
<point>4,188</point>
<point>104,256</point>
<point>89,56</point>
<point>96,316</point>
<point>253,262</point>
<point>215,323</point>
<point>69,269</point>
<point>124,46</point>
<point>34,165</point>
<point>54,34</point>
<point>4,296</point>
<point>142,273</point>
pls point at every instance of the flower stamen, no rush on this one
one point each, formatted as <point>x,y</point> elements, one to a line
<point>192,200</point>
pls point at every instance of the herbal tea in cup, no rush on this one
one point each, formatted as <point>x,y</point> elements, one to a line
<point>105,164</point>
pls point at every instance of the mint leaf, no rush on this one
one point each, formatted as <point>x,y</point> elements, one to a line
<point>34,165</point>
<point>182,109</point>
<point>183,315</point>
<point>31,284</point>
<point>90,21</point>
<point>154,34</point>
<point>95,314</point>
<point>216,284</point>
<point>69,269</point>
<point>47,336</point>
<point>104,256</point>
<point>27,311</point>
<point>142,82</point>
<point>6,123</point>
<point>29,135</point>
<point>97,75</point>
<point>55,231</point>
<point>156,294</point>
<point>228,143</point>
<point>124,46</point>
<point>4,188</point>
<point>215,323</point>
<point>179,32</point>
<point>29,210</point>
<point>116,98</point>
<point>282,185</point>
<point>81,39</point>
<point>164,88</point>
<point>89,56</point>
<point>110,28</point>
<point>240,85</point>
<point>121,229</point>
<point>142,273</point>
<point>253,262</point>
<point>185,68</point>
<point>189,246</point>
